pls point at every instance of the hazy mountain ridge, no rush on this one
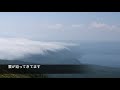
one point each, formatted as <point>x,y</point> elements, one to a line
<point>64,57</point>
<point>3,62</point>
<point>59,57</point>
<point>95,71</point>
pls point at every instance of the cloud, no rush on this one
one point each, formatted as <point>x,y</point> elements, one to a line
<point>55,26</point>
<point>100,25</point>
<point>77,25</point>
<point>16,48</point>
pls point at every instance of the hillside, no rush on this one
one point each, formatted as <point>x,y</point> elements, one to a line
<point>95,71</point>
<point>61,57</point>
<point>3,62</point>
<point>12,62</point>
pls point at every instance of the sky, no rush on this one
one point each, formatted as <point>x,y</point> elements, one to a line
<point>98,26</point>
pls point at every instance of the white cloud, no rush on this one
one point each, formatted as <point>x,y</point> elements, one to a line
<point>15,48</point>
<point>55,26</point>
<point>77,25</point>
<point>99,25</point>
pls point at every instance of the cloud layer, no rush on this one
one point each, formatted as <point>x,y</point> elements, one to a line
<point>96,25</point>
<point>100,25</point>
<point>15,48</point>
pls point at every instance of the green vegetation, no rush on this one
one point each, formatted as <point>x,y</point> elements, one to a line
<point>23,76</point>
<point>4,62</point>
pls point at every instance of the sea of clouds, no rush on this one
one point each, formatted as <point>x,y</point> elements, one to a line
<point>16,48</point>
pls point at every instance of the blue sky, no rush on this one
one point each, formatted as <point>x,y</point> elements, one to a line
<point>97,26</point>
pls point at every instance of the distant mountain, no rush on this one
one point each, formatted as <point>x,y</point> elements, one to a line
<point>12,62</point>
<point>60,57</point>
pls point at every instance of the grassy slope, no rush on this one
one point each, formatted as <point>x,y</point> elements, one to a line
<point>18,75</point>
<point>22,76</point>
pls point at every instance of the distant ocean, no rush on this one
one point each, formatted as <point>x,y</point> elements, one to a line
<point>98,53</point>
